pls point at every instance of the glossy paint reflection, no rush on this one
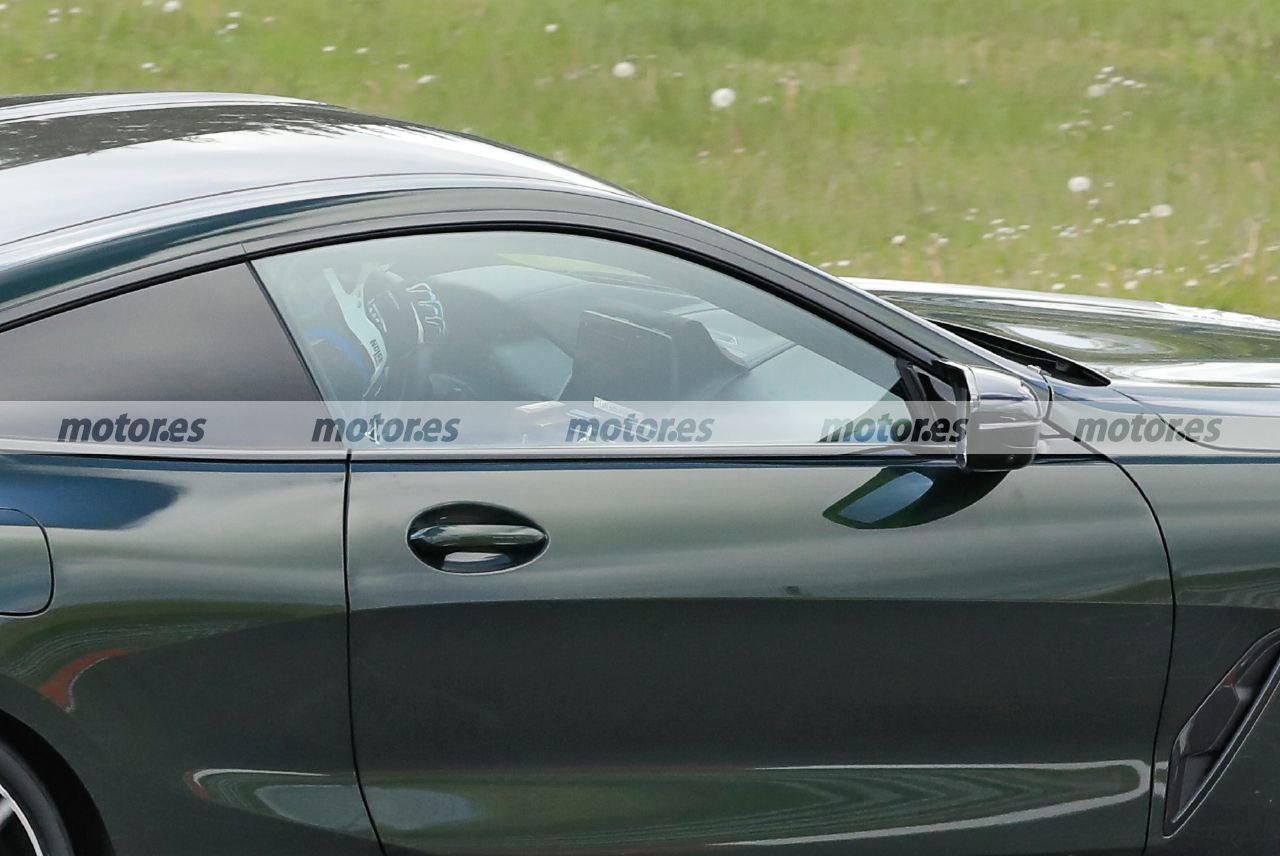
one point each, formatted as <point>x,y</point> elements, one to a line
<point>198,622</point>
<point>1132,342</point>
<point>1224,547</point>
<point>704,658</point>
<point>308,799</point>
<point>665,810</point>
<point>84,165</point>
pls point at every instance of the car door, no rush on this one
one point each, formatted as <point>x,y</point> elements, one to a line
<point>578,628</point>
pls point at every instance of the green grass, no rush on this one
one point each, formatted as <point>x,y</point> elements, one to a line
<point>855,121</point>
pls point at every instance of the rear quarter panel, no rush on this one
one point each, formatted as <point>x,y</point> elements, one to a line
<point>192,665</point>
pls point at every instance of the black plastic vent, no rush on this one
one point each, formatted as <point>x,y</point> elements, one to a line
<point>1215,730</point>
<point>1054,365</point>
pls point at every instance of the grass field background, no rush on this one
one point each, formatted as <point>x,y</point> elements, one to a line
<point>921,139</point>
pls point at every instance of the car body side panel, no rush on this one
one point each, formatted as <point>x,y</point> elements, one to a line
<point>708,657</point>
<point>1221,520</point>
<point>192,664</point>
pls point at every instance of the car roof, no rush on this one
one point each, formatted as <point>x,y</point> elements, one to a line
<point>73,158</point>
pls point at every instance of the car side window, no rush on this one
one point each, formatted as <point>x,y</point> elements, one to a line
<point>207,337</point>
<point>536,319</point>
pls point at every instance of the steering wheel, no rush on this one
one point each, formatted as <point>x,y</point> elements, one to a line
<point>369,331</point>
<point>410,318</point>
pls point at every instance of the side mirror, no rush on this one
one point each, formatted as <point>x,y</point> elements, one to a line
<point>1003,418</point>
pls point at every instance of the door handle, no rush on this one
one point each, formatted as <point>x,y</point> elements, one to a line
<point>475,538</point>
<point>478,536</point>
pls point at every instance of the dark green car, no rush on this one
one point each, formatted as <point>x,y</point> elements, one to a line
<point>367,488</point>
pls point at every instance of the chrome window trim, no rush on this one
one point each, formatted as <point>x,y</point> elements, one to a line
<point>816,451</point>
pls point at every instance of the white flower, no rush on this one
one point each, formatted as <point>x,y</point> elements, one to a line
<point>898,240</point>
<point>1079,184</point>
<point>1161,210</point>
<point>147,66</point>
<point>404,66</point>
<point>551,28</point>
<point>426,78</point>
<point>233,14</point>
<point>1097,90</point>
<point>171,5</point>
<point>624,70</point>
<point>1058,286</point>
<point>328,49</point>
<point>361,51</point>
<point>723,98</point>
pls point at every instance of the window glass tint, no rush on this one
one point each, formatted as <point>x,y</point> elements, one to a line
<point>533,319</point>
<point>208,337</point>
